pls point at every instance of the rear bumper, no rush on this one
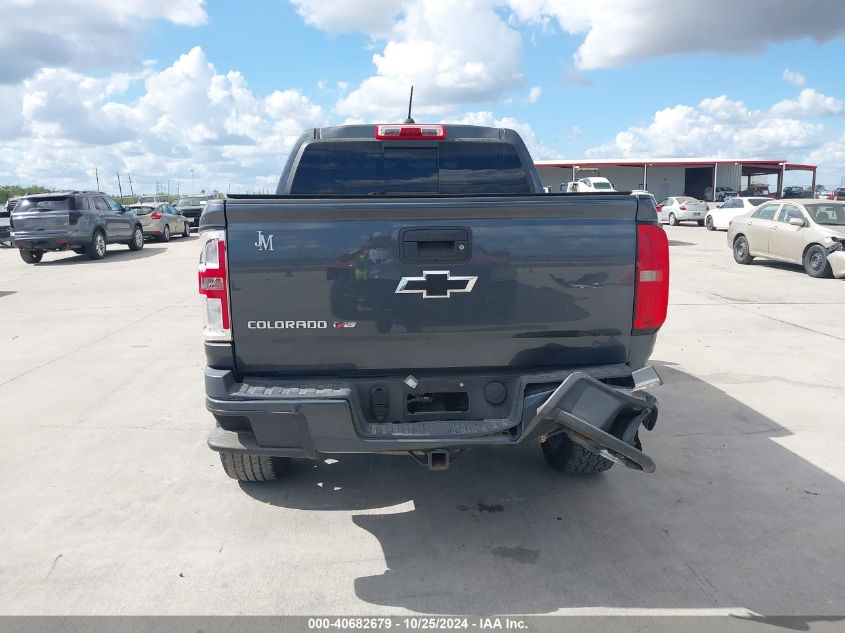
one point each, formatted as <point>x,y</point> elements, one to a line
<point>292,419</point>
<point>47,241</point>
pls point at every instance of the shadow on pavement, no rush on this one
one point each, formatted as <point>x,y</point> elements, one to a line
<point>731,519</point>
<point>115,253</point>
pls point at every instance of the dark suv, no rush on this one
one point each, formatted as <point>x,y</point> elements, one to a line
<point>191,207</point>
<point>82,221</point>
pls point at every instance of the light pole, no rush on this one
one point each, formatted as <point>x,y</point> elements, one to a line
<point>193,184</point>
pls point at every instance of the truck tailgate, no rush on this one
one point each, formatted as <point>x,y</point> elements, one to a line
<point>338,286</point>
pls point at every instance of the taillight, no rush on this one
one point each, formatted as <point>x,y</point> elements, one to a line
<point>156,216</point>
<point>651,298</point>
<point>213,285</point>
<point>683,208</point>
<point>398,132</point>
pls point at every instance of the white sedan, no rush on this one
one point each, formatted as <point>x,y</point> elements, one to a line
<point>720,218</point>
<point>681,209</point>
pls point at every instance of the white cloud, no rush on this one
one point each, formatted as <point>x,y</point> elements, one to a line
<point>831,157</point>
<point>429,45</point>
<point>794,77</point>
<point>373,17</point>
<point>534,94</point>
<point>620,32</point>
<point>81,34</point>
<point>808,103</point>
<point>190,116</point>
<point>724,127</point>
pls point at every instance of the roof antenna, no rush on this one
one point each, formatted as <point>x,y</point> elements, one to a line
<point>409,120</point>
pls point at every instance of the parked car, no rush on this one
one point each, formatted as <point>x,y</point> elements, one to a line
<point>722,194</point>
<point>681,209</point>
<point>458,280</point>
<point>82,221</point>
<point>5,222</point>
<point>802,231</point>
<point>838,194</point>
<point>795,192</point>
<point>191,207</point>
<point>758,190</point>
<point>155,199</point>
<point>720,217</point>
<point>161,221</point>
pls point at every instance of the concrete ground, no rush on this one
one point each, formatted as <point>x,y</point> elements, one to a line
<point>112,504</point>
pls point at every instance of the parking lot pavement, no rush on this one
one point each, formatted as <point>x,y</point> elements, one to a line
<point>112,504</point>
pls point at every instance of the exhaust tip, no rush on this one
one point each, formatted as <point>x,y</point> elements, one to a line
<point>438,459</point>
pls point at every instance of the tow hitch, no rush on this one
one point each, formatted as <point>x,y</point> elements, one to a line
<point>601,418</point>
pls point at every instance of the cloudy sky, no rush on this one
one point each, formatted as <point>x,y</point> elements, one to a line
<point>158,88</point>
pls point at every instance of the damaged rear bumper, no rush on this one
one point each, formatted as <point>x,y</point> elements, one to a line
<point>308,421</point>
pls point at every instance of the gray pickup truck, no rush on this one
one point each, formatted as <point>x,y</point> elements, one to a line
<point>411,289</point>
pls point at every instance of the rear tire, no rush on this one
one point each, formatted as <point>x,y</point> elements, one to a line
<point>136,243</point>
<point>96,249</point>
<point>566,456</point>
<point>816,264</point>
<point>708,223</point>
<point>186,230</point>
<point>31,257</point>
<point>742,252</point>
<point>700,222</point>
<point>248,467</point>
<point>673,221</point>
<point>165,234</point>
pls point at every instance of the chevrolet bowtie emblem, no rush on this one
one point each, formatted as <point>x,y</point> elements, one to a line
<point>435,284</point>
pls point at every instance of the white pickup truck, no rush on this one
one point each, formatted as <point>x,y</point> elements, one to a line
<point>592,184</point>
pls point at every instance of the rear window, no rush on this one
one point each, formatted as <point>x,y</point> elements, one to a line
<point>142,210</point>
<point>53,203</point>
<point>683,199</point>
<point>601,184</point>
<point>189,202</point>
<point>376,168</point>
<point>757,201</point>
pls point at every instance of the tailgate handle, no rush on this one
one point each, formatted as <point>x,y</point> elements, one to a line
<point>435,245</point>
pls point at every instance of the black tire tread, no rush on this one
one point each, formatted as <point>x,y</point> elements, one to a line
<point>574,459</point>
<point>249,467</point>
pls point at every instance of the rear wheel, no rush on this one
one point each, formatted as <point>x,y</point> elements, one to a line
<point>708,223</point>
<point>815,262</point>
<point>137,241</point>
<point>96,249</point>
<point>186,230</point>
<point>742,253</point>
<point>673,221</point>
<point>566,456</point>
<point>31,257</point>
<point>165,234</point>
<point>700,222</point>
<point>248,467</point>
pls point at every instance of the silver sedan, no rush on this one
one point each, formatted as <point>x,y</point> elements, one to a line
<point>161,220</point>
<point>809,232</point>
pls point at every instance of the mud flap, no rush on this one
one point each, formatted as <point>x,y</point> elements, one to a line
<point>601,418</point>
